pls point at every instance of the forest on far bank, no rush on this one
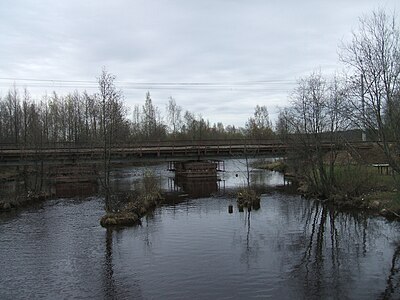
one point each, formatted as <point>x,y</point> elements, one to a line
<point>82,118</point>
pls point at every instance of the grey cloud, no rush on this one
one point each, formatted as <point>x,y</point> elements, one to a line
<point>179,41</point>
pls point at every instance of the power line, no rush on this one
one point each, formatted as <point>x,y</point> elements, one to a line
<point>46,80</point>
<point>274,85</point>
<point>238,83</point>
<point>180,88</point>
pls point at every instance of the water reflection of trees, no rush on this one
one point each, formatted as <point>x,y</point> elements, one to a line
<point>247,240</point>
<point>109,282</point>
<point>392,290</point>
<point>112,288</point>
<point>332,245</point>
<point>320,222</point>
<point>251,247</point>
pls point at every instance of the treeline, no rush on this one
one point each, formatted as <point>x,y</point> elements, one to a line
<point>73,118</point>
<point>82,118</point>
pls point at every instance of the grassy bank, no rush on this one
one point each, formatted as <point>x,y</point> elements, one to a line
<point>364,187</point>
<point>356,186</point>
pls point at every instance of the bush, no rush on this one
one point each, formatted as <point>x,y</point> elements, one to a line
<point>355,180</point>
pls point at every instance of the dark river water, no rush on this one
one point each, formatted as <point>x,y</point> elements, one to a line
<point>291,248</point>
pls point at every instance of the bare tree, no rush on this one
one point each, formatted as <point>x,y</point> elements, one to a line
<point>174,116</point>
<point>152,124</point>
<point>136,126</point>
<point>374,56</point>
<point>13,113</point>
<point>149,117</point>
<point>282,125</point>
<point>315,116</point>
<point>109,96</point>
<point>259,126</point>
<point>25,116</point>
<point>189,126</point>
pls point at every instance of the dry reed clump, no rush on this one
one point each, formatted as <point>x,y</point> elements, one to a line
<point>247,197</point>
<point>120,219</point>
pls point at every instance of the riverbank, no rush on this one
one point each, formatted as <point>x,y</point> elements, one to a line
<point>22,201</point>
<point>27,185</point>
<point>360,187</point>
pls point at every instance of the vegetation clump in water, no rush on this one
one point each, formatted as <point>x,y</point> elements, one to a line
<point>247,197</point>
<point>120,218</point>
<point>135,204</point>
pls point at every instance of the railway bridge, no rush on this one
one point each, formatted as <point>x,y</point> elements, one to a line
<point>67,153</point>
<point>140,151</point>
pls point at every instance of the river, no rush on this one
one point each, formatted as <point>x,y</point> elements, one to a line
<point>291,248</point>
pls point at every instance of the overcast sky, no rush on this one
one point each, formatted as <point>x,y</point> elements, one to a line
<point>217,58</point>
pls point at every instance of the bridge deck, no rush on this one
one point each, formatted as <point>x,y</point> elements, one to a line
<point>139,152</point>
<point>164,151</point>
